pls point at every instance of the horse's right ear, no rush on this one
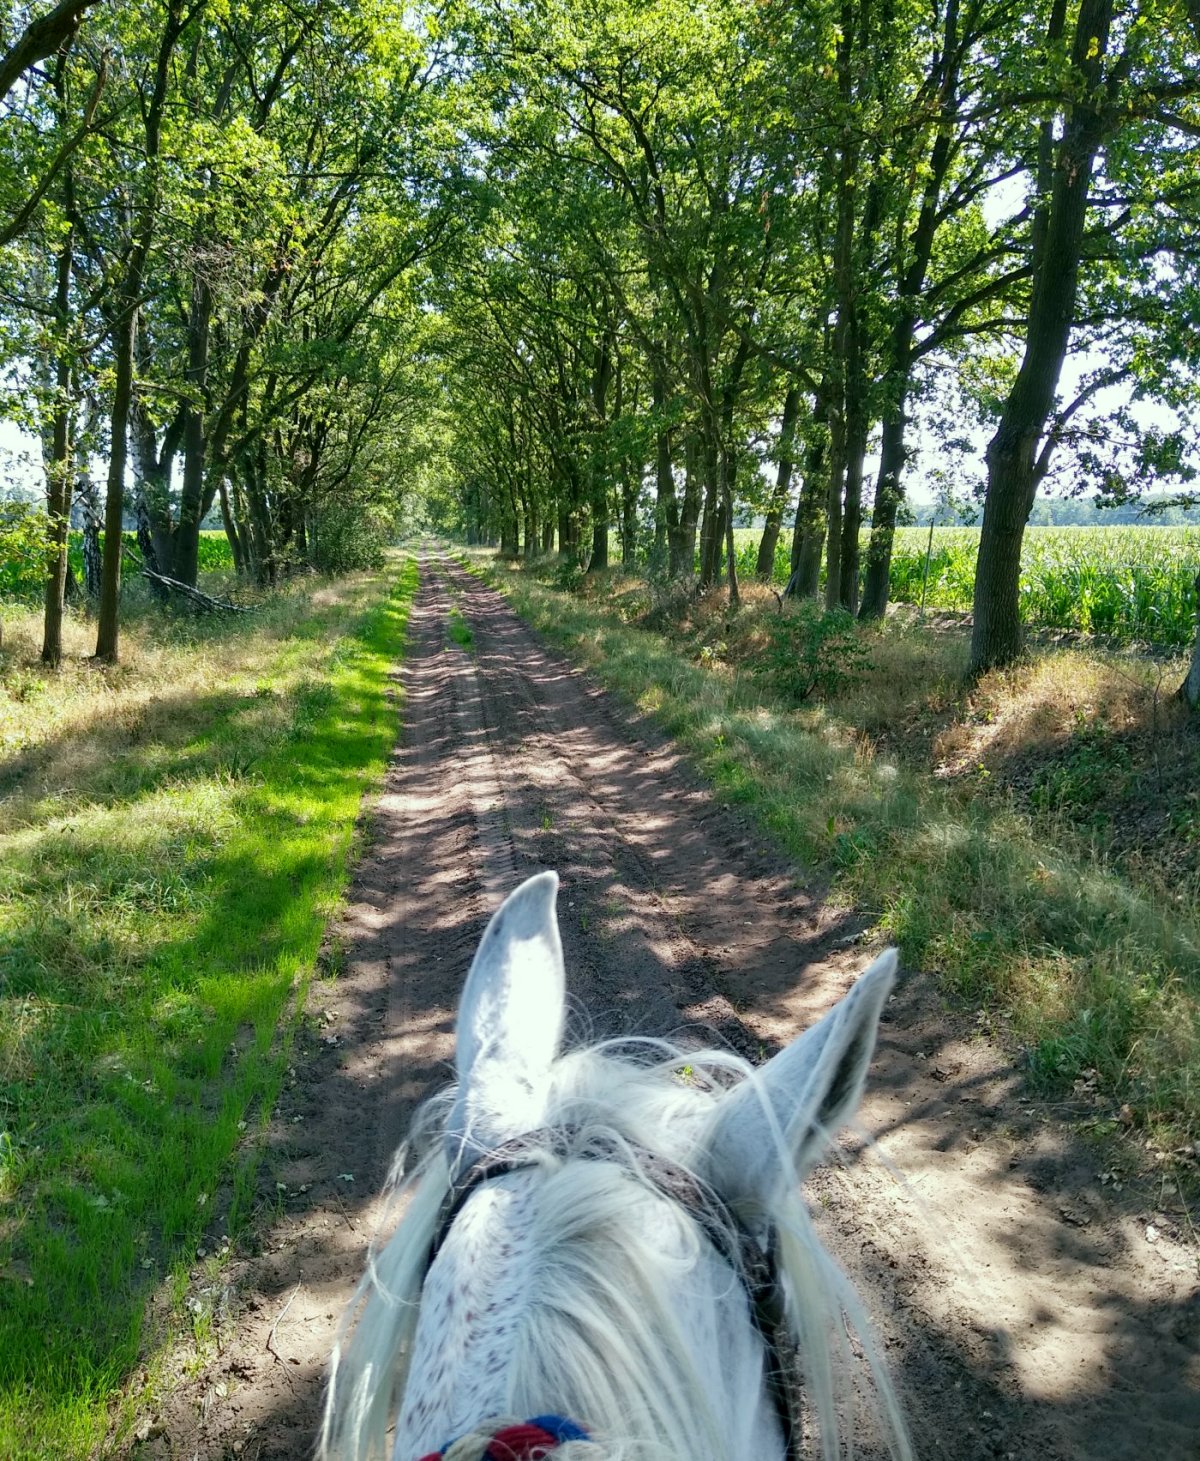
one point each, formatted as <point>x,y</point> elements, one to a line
<point>772,1127</point>
<point>510,1021</point>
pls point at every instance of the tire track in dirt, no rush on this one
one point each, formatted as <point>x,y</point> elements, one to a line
<point>1010,1326</point>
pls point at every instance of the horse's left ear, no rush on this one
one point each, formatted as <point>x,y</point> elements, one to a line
<point>510,1021</point>
<point>773,1127</point>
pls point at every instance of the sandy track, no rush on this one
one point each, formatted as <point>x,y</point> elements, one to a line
<point>1023,1308</point>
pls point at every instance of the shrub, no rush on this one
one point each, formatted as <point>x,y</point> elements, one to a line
<point>810,650</point>
<point>351,536</point>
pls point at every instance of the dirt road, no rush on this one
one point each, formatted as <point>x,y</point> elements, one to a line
<point>1028,1309</point>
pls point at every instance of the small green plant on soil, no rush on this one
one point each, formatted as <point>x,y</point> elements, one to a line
<point>460,630</point>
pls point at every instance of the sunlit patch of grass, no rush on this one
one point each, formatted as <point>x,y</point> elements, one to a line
<point>176,836</point>
<point>1095,972</point>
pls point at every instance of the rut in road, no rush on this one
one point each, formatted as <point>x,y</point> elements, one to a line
<point>1022,1311</point>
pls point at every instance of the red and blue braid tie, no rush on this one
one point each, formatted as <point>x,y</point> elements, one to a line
<point>528,1441</point>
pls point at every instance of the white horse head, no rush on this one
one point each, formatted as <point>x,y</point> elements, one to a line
<point>586,1235</point>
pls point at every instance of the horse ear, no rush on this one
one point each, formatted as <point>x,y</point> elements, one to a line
<point>510,1021</point>
<point>773,1127</point>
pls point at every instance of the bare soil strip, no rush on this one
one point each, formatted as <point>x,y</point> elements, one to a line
<point>1027,1308</point>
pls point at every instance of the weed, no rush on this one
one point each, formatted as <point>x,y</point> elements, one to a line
<point>460,630</point>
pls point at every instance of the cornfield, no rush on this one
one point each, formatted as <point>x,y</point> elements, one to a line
<point>1128,582</point>
<point>23,577</point>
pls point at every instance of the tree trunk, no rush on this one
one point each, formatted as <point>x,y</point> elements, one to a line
<point>59,477</point>
<point>124,338</point>
<point>666,507</point>
<point>85,491</point>
<point>195,443</point>
<point>231,530</point>
<point>631,480</point>
<point>833,509</point>
<point>808,536</point>
<point>1190,689</point>
<point>765,567</point>
<point>108,629</point>
<point>889,493</point>
<point>1014,465</point>
<point>711,525</point>
<point>683,556</point>
<point>729,475</point>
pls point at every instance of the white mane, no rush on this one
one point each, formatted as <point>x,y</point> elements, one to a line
<point>600,1337</point>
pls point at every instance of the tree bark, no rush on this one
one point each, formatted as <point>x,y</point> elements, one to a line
<point>666,506</point>
<point>889,493</point>
<point>124,331</point>
<point>765,566</point>
<point>192,503</point>
<point>1190,689</point>
<point>684,560</point>
<point>1013,461</point>
<point>808,536</point>
<point>59,477</point>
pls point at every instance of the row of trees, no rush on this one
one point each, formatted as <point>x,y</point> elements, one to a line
<point>278,256</point>
<point>215,216</point>
<point>715,238</point>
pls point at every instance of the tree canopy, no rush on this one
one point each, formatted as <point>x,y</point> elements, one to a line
<point>542,272</point>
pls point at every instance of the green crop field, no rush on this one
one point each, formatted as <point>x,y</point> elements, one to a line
<point>22,577</point>
<point>1130,582</point>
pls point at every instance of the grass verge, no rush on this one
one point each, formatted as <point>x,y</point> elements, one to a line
<point>1094,972</point>
<point>176,836</point>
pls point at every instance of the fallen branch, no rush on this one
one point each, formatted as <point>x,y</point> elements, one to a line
<point>270,1345</point>
<point>207,602</point>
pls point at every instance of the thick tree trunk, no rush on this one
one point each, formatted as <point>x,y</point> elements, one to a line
<point>856,450</point>
<point>124,338</point>
<point>710,526</point>
<point>1014,466</point>
<point>889,493</point>
<point>765,566</point>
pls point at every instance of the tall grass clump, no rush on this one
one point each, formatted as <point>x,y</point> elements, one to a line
<point>175,837</point>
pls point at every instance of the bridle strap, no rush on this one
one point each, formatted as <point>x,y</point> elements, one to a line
<point>757,1267</point>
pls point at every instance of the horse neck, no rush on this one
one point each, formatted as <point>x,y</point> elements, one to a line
<point>585,1294</point>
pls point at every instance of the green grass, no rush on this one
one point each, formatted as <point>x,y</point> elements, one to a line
<point>1128,582</point>
<point>1093,972</point>
<point>176,837</point>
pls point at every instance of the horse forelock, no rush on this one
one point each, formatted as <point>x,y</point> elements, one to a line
<point>546,1269</point>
